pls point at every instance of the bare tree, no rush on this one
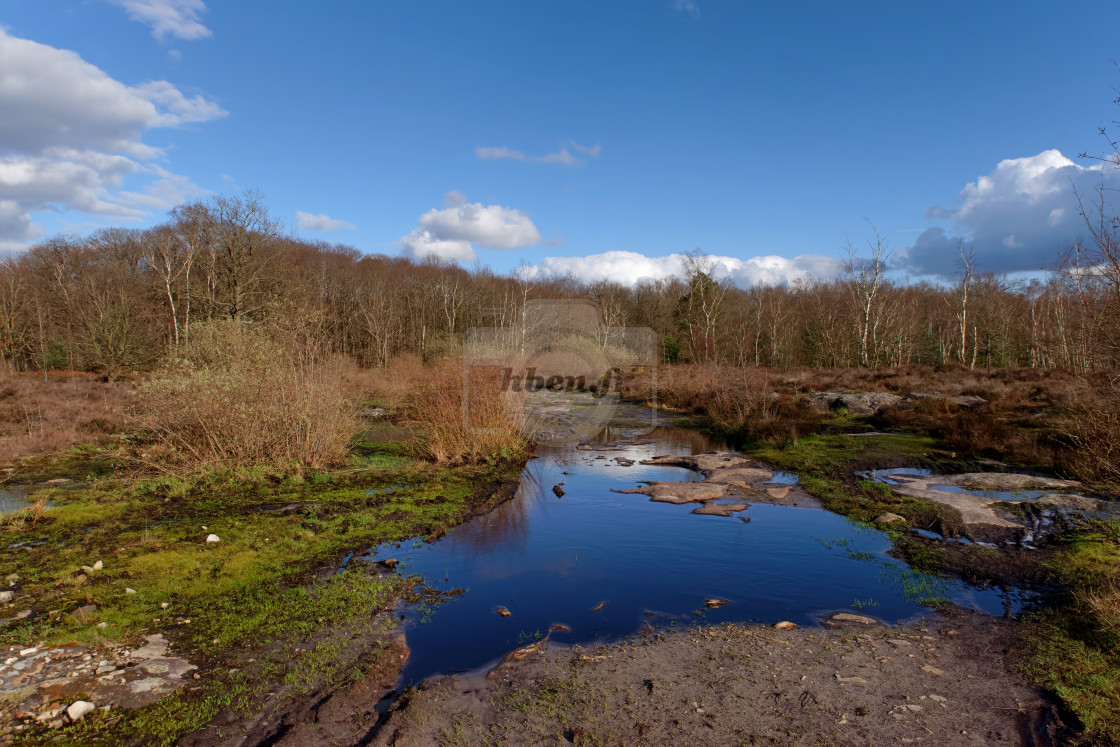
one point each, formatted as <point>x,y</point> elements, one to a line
<point>702,307</point>
<point>967,278</point>
<point>242,231</point>
<point>865,278</point>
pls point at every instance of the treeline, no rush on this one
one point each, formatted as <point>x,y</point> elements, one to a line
<point>125,300</point>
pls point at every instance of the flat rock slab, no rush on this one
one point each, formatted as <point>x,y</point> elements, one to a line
<point>743,477</point>
<point>721,509</point>
<point>680,492</point>
<point>973,509</point>
<point>1003,481</point>
<point>701,462</point>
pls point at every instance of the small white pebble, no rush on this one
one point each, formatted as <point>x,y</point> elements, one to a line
<point>129,591</point>
<point>164,605</point>
<point>213,538</point>
<point>98,566</point>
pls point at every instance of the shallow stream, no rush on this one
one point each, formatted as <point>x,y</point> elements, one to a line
<point>606,564</point>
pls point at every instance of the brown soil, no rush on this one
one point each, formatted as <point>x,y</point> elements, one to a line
<point>951,680</point>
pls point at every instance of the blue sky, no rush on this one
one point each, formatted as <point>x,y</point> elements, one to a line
<point>597,138</point>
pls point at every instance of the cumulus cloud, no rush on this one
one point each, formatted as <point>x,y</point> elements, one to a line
<point>453,232</point>
<point>178,18</point>
<point>71,134</point>
<point>319,222</point>
<point>630,268</point>
<point>562,156</point>
<point>1018,217</point>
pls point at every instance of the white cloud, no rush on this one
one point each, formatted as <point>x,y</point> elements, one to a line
<point>453,232</point>
<point>177,108</point>
<point>70,135</point>
<point>562,156</point>
<point>686,6</point>
<point>320,222</point>
<point>591,151</point>
<point>178,18</point>
<point>629,268</point>
<point>1018,217</point>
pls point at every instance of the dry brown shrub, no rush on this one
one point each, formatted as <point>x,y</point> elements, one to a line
<point>237,397</point>
<point>41,415</point>
<point>467,420</point>
<point>1094,429</point>
<point>1103,603</point>
<point>754,402</point>
<point>391,387</point>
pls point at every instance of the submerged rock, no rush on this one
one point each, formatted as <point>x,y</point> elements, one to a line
<point>720,509</point>
<point>848,617</point>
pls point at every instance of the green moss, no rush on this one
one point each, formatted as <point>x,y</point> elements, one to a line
<point>258,589</point>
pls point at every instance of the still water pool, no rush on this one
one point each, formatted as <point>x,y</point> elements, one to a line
<point>554,559</point>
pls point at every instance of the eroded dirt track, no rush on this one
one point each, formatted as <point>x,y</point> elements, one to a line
<point>947,681</point>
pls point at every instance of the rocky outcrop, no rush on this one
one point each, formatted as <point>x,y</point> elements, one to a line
<point>857,403</point>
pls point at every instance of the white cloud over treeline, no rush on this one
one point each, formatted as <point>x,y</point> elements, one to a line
<point>70,134</point>
<point>1017,217</point>
<point>453,232</point>
<point>630,268</point>
<point>320,222</point>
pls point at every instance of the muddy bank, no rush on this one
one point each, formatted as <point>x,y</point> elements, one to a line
<point>951,679</point>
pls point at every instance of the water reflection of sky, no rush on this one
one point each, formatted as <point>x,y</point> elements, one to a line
<point>552,559</point>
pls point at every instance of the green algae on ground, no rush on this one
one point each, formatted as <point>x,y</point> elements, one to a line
<point>265,592</point>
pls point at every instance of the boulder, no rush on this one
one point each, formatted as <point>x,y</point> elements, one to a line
<point>857,403</point>
<point>79,708</point>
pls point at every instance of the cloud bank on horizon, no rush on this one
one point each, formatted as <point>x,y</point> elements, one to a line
<point>631,268</point>
<point>1018,217</point>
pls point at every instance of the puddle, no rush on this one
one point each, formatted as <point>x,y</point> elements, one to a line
<point>784,478</point>
<point>997,495</point>
<point>884,475</point>
<point>11,500</point>
<point>603,563</point>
